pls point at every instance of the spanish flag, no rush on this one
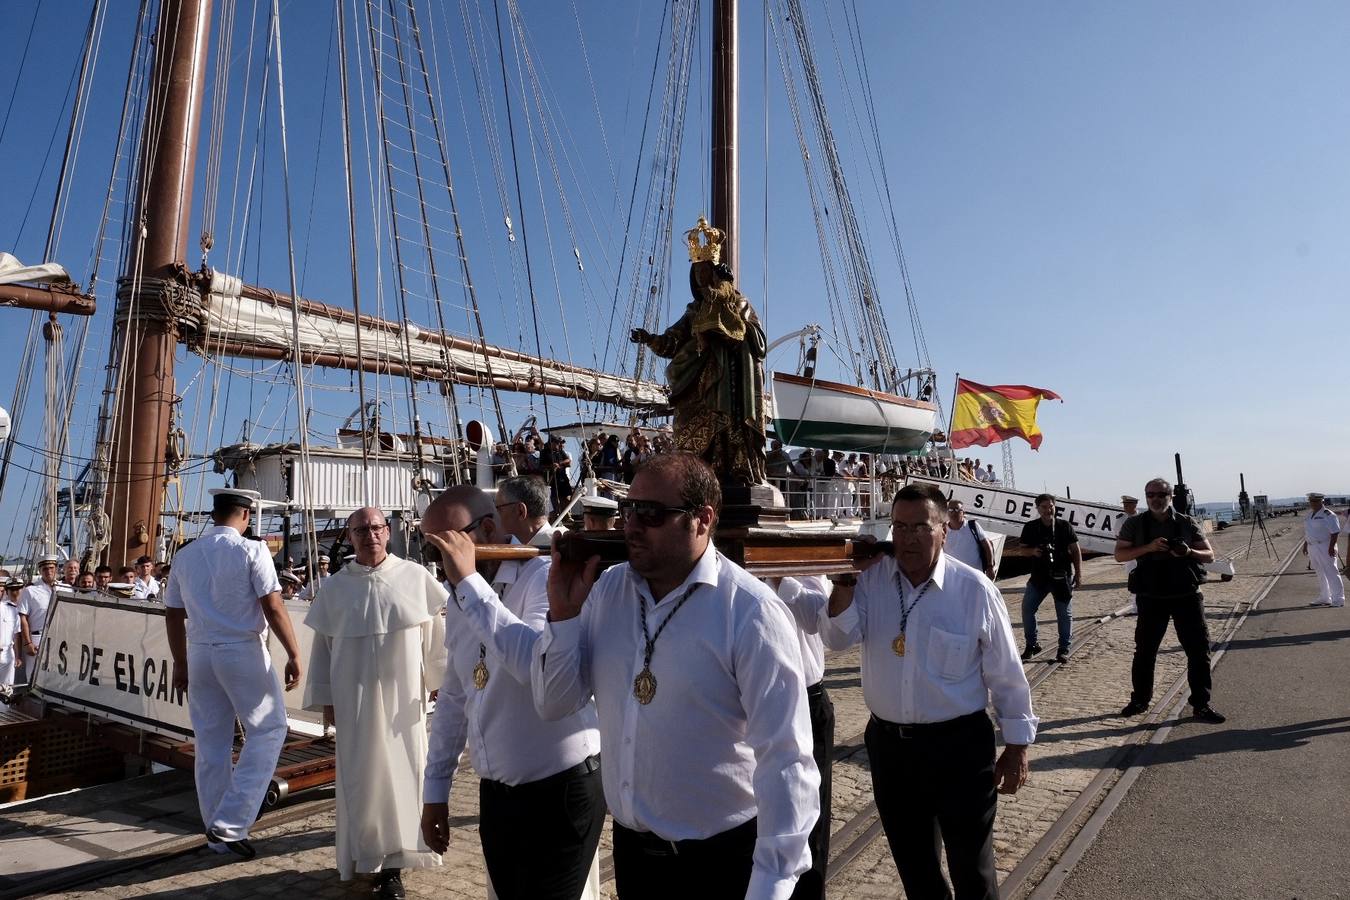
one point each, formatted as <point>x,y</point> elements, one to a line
<point>986,414</point>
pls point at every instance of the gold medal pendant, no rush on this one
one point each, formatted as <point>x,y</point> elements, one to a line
<point>644,686</point>
<point>898,645</point>
<point>480,675</point>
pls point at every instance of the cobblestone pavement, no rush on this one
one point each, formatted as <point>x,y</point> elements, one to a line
<point>1079,730</point>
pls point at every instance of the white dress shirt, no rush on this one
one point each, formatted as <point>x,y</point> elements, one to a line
<point>507,740</point>
<point>9,632</point>
<point>218,579</point>
<point>962,544</point>
<point>1318,527</point>
<point>34,601</point>
<point>144,590</point>
<point>807,598</point>
<point>959,648</point>
<point>727,736</point>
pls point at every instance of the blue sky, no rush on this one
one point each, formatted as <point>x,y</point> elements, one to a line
<point>1140,206</point>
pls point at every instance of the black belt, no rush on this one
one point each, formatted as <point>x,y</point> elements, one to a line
<point>816,690</point>
<point>651,843</point>
<point>928,729</point>
<point>587,766</point>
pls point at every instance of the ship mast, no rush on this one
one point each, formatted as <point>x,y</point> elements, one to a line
<point>726,185</point>
<point>155,280</point>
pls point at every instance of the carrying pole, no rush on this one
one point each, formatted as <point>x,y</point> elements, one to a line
<point>726,186</point>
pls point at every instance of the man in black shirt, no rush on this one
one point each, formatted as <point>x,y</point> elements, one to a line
<point>1170,550</point>
<point>1055,547</point>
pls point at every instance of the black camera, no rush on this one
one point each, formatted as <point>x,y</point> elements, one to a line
<point>1177,545</point>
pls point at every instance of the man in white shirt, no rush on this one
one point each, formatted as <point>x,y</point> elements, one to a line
<point>967,541</point>
<point>320,575</point>
<point>697,679</point>
<point>11,632</point>
<point>1321,531</point>
<point>522,510</point>
<point>806,598</point>
<point>34,602</point>
<point>540,789</point>
<point>936,646</point>
<point>1131,506</point>
<point>377,655</point>
<point>146,586</point>
<point>221,598</point>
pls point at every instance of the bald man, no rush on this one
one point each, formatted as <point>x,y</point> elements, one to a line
<point>540,797</point>
<point>378,653</point>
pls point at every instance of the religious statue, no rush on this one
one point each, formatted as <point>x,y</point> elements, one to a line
<point>716,371</point>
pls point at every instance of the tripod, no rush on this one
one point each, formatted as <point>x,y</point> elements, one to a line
<point>1260,522</point>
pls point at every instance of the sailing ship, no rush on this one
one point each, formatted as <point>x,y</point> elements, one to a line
<point>424,401</point>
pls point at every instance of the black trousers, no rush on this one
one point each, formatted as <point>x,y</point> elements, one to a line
<point>934,786</point>
<point>1188,615</point>
<point>716,868</point>
<point>811,885</point>
<point>539,838</point>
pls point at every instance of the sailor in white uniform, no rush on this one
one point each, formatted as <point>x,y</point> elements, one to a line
<point>1321,531</point>
<point>1131,505</point>
<point>10,632</point>
<point>320,575</point>
<point>34,602</point>
<point>146,586</point>
<point>222,595</point>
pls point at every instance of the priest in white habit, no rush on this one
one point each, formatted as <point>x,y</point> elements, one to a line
<point>378,653</point>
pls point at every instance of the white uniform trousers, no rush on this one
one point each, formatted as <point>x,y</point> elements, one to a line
<point>225,681</point>
<point>7,669</point>
<point>1329,586</point>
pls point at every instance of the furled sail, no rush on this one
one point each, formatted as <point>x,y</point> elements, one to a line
<point>241,320</point>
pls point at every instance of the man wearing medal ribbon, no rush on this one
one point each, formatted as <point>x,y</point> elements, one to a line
<point>697,678</point>
<point>541,804</point>
<point>937,645</point>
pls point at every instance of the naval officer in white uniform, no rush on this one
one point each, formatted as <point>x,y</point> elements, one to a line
<point>222,596</point>
<point>34,601</point>
<point>1321,530</point>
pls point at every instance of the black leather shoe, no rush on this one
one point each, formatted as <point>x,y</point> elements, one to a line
<point>1210,714</point>
<point>241,849</point>
<point>1134,708</point>
<point>1062,658</point>
<point>1031,651</point>
<point>389,885</point>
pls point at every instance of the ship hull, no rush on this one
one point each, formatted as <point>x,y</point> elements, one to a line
<point>811,412</point>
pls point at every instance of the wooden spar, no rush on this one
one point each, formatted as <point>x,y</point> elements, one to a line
<point>726,188</point>
<point>239,345</point>
<point>61,299</point>
<point>136,475</point>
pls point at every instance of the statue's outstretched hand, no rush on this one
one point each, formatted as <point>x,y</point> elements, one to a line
<point>640,336</point>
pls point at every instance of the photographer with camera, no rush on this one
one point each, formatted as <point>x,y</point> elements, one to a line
<point>1170,551</point>
<point>1055,547</point>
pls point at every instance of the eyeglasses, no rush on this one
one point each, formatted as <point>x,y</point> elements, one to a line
<point>364,530</point>
<point>904,529</point>
<point>510,503</point>
<point>473,526</point>
<point>432,554</point>
<point>1152,494</point>
<point>650,513</point>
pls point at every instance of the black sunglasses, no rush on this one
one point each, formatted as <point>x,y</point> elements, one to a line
<point>1157,493</point>
<point>432,554</point>
<point>650,513</point>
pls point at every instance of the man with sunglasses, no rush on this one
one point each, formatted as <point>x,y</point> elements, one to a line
<point>937,648</point>
<point>378,653</point>
<point>697,678</point>
<point>1170,550</point>
<point>539,788</point>
<point>221,598</point>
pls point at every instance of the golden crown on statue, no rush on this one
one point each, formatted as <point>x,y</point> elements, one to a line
<point>709,249</point>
